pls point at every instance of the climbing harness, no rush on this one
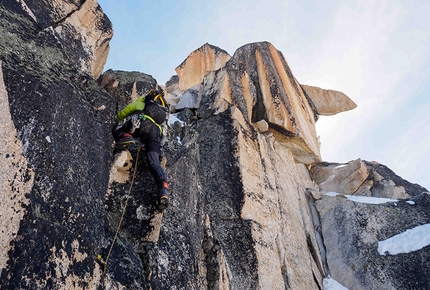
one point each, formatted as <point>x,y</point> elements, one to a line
<point>99,257</point>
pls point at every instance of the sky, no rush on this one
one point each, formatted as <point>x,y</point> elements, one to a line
<point>376,52</point>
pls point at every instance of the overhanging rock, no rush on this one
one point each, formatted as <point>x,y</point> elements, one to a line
<point>329,102</point>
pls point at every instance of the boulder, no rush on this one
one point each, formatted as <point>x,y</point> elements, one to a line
<point>172,84</point>
<point>328,102</point>
<point>262,126</point>
<point>172,92</point>
<point>346,178</point>
<point>198,63</point>
<point>385,183</point>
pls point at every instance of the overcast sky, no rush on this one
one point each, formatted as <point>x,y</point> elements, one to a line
<point>376,52</point>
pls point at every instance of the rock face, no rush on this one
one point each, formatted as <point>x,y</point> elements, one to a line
<point>328,102</point>
<point>242,233</point>
<point>11,162</point>
<point>126,87</point>
<point>80,28</point>
<point>54,179</point>
<point>198,63</point>
<point>250,212</point>
<point>259,82</point>
<point>353,231</point>
<point>242,211</point>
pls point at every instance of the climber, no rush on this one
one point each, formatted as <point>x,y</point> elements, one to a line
<point>147,114</point>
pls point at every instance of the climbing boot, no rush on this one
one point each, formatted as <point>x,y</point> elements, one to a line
<point>163,194</point>
<point>164,202</point>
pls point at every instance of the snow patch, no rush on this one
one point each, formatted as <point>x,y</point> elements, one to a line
<point>370,200</point>
<point>174,118</point>
<point>340,166</point>
<point>364,199</point>
<point>331,284</point>
<point>411,240</point>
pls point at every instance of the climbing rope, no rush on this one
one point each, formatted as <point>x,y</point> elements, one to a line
<point>123,212</point>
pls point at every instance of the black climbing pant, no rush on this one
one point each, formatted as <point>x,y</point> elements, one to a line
<point>149,135</point>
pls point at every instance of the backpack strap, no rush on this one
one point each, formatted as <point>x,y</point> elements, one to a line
<point>144,117</point>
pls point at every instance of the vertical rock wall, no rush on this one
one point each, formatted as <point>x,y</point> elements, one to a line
<point>239,216</point>
<point>276,206</point>
<point>244,218</point>
<point>55,159</point>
